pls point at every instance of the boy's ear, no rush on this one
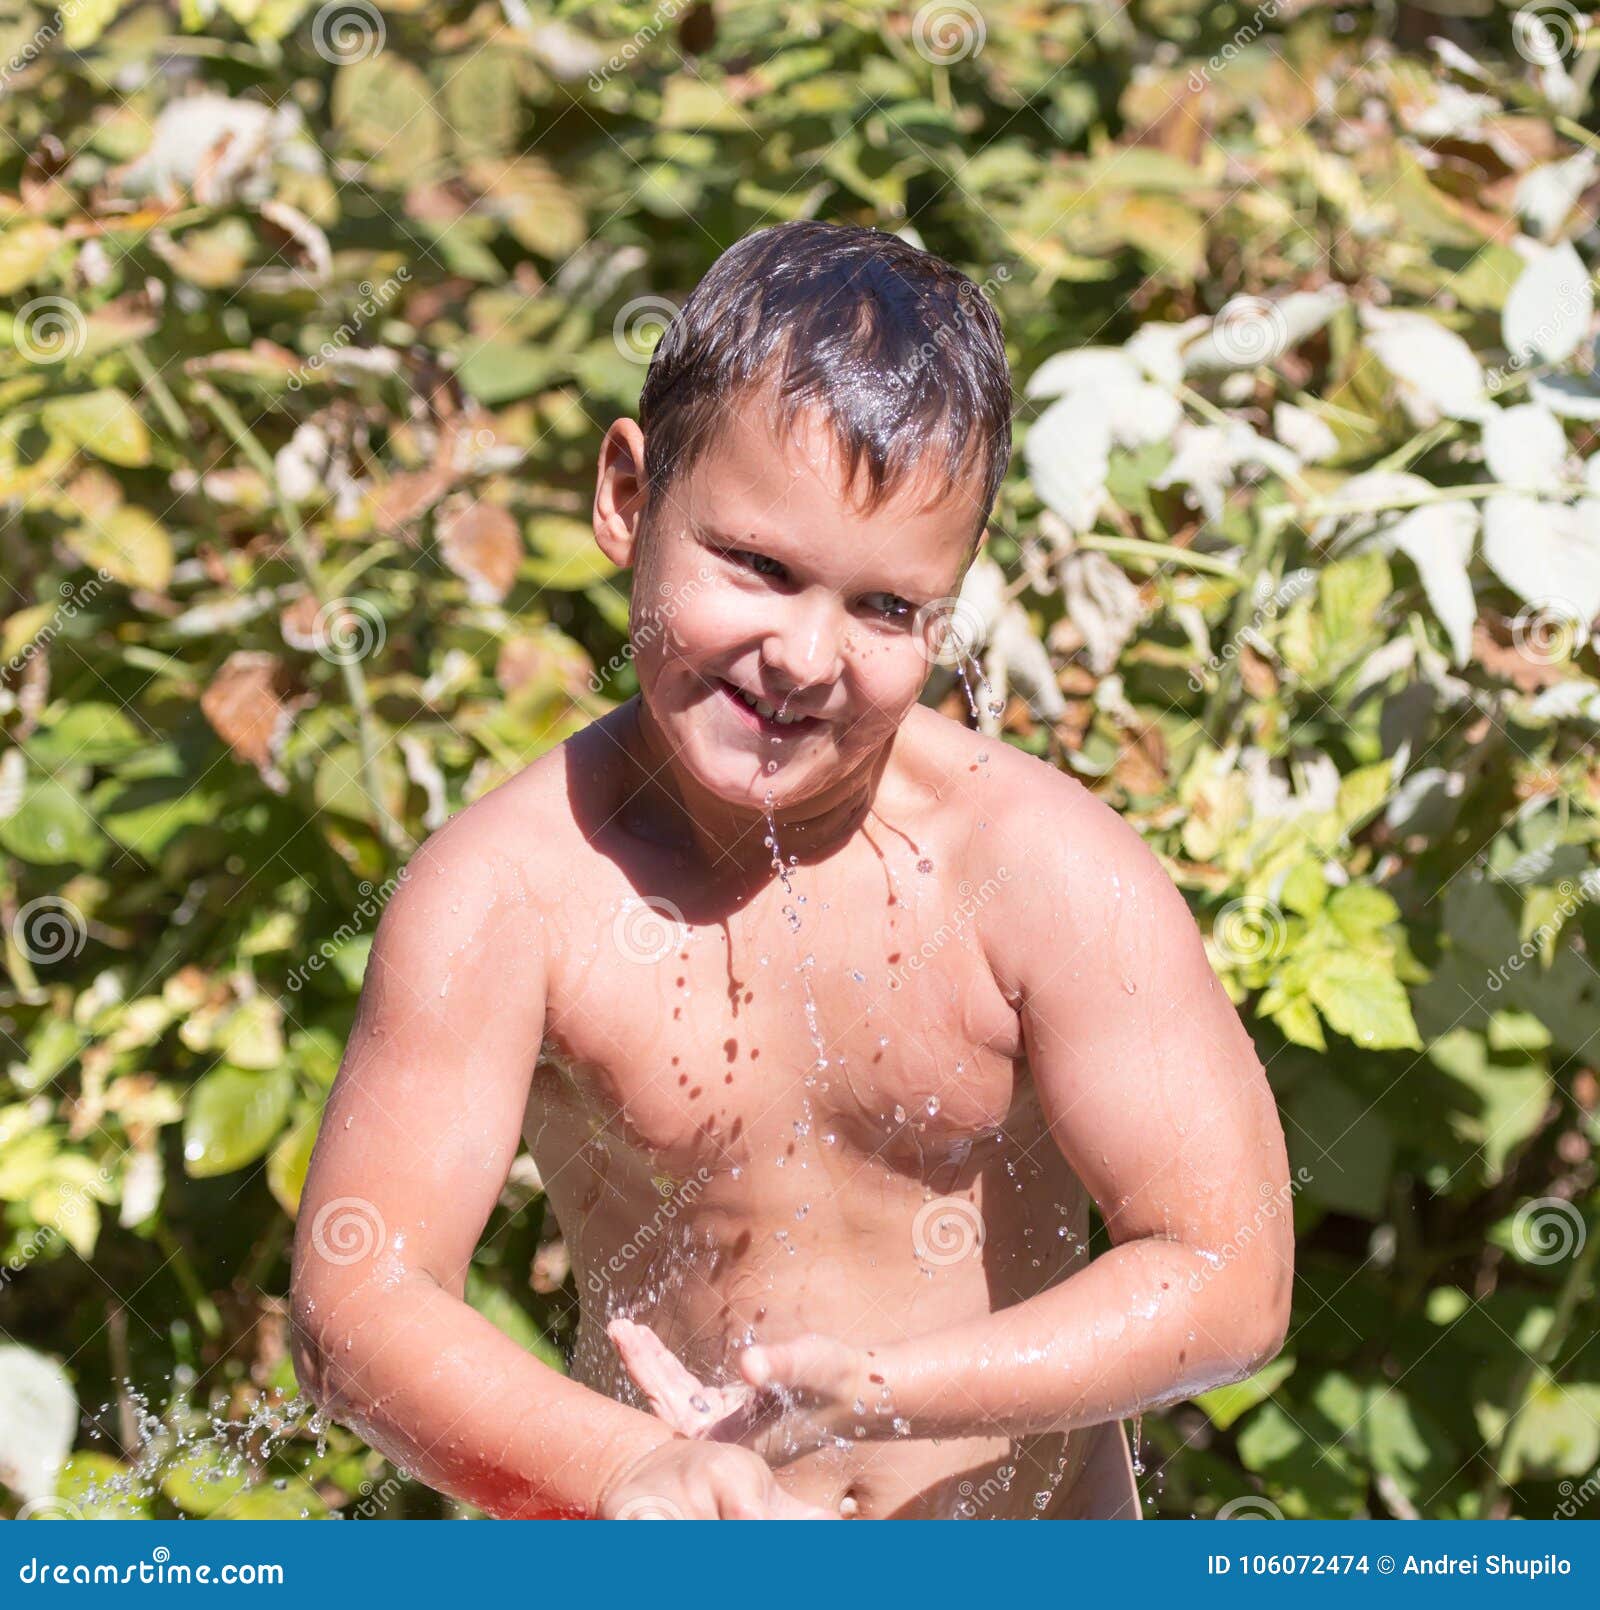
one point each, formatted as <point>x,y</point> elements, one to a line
<point>620,492</point>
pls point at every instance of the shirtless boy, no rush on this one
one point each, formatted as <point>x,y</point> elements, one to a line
<point>821,1134</point>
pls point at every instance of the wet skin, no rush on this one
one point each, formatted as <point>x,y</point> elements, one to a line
<point>826,1138</point>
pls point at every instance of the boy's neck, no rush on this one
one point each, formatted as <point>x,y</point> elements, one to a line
<point>729,839</point>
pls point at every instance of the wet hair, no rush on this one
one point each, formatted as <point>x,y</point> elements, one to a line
<point>900,351</point>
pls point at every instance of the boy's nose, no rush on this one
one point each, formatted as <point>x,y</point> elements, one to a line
<point>804,651</point>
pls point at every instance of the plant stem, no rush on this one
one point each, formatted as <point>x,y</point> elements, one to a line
<point>1160,553</point>
<point>1540,1359</point>
<point>355,682</point>
<point>150,379</point>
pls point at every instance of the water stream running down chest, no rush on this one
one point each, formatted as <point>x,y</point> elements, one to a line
<point>813,1079</point>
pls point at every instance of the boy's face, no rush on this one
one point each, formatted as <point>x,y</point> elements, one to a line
<point>759,578</point>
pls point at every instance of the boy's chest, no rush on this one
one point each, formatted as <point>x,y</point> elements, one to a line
<point>856,1021</point>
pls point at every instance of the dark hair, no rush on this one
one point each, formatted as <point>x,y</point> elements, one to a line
<point>899,350</point>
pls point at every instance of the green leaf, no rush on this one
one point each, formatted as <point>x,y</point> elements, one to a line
<point>201,1478</point>
<point>1225,1404</point>
<point>233,1117</point>
<point>52,828</point>
<point>87,734</point>
<point>1363,1001</point>
<point>1343,1143</point>
<point>291,1157</point>
<point>104,422</point>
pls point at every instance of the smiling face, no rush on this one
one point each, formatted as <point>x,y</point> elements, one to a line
<point>780,635</point>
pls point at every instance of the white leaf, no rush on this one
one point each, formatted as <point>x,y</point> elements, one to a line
<point>1546,194</point>
<point>1435,371</point>
<point>1083,366</point>
<point>1068,454</point>
<point>1307,436</point>
<point>1017,658</point>
<point>1547,553</point>
<point>1102,602</point>
<point>1157,347</point>
<point>1548,310</point>
<point>38,1421</point>
<point>1566,701</point>
<point>1138,412</point>
<point>141,1188</point>
<point>1570,396</point>
<point>1209,458</point>
<point>1437,539</point>
<point>1525,446</point>
<point>1253,330</point>
<point>1374,486</point>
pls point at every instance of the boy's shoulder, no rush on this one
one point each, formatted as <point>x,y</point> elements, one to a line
<point>516,843</point>
<point>1023,801</point>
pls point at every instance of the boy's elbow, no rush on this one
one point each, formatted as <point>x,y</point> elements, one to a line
<point>1266,1328</point>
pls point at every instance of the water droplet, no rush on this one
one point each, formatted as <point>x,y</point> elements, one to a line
<point>899,1113</point>
<point>924,865</point>
<point>932,1105</point>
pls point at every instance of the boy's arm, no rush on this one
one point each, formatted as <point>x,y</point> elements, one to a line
<point>1155,1096</point>
<point>420,1131</point>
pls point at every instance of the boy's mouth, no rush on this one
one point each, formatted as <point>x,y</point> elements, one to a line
<point>759,716</point>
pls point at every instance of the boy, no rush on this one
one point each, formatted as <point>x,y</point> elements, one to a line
<point>823,1017</point>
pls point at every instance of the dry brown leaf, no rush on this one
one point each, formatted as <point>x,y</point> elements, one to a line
<point>249,707</point>
<point>480,542</point>
<point>1507,661</point>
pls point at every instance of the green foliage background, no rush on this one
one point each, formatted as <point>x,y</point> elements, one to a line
<point>297,442</point>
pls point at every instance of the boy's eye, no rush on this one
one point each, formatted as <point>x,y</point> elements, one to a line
<point>890,606</point>
<point>761,563</point>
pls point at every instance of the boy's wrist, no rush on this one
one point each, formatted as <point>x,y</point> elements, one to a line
<point>622,1452</point>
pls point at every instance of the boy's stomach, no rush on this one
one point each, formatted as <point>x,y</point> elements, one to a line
<point>840,1242</point>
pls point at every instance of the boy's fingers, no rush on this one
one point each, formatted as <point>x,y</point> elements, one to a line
<point>659,1374</point>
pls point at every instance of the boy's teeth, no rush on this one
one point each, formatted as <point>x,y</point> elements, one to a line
<point>762,708</point>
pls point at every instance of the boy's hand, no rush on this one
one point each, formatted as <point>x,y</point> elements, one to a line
<point>690,1481</point>
<point>796,1396</point>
